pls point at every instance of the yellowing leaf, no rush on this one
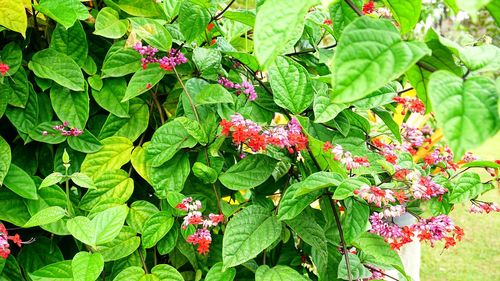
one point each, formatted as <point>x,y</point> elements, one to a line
<point>13,16</point>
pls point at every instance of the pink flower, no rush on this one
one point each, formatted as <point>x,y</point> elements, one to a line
<point>374,194</point>
<point>483,207</point>
<point>346,157</point>
<point>202,238</point>
<point>426,188</point>
<point>469,157</point>
<point>245,87</point>
<point>411,104</point>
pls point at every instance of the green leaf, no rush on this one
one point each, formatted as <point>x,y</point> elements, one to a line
<point>480,163</point>
<point>358,270</point>
<point>389,122</point>
<point>342,15</point>
<point>53,136</point>
<point>457,105</point>
<point>114,154</point>
<point>467,187</point>
<point>168,242</point>
<point>5,159</point>
<point>130,127</point>
<point>291,85</point>
<point>65,12</point>
<point>208,61</point>
<point>364,58</point>
<point>324,109</point>
<point>25,119</point>
<point>143,80</point>
<point>87,266</point>
<point>279,272</point>
<point>82,180</point>
<point>140,211</point>
<point>247,234</point>
<point>153,32</point>
<point>133,273</point>
<point>171,175</point>
<point>109,25</point>
<point>111,184</point>
<point>58,67</point>
<point>38,254</point>
<point>120,60</point>
<point>59,271</point>
<point>471,6</point>
<point>20,182</point>
<point>16,88</point>
<point>193,19</point>
<point>110,95</point>
<point>375,247</point>
<point>380,97</point>
<point>140,8</point>
<point>317,181</point>
<point>86,143</point>
<point>46,216</point>
<point>71,42</point>
<point>406,13</point>
<point>13,208</point>
<point>347,187</point>
<point>166,141</point>
<point>103,228</point>
<point>205,173</point>
<point>291,205</point>
<point>13,16</point>
<point>355,219</point>
<point>138,160</point>
<point>12,55</point>
<point>70,106</point>
<point>250,172</point>
<point>275,26</point>
<point>122,246</point>
<point>166,272</point>
<point>156,227</point>
<point>217,273</point>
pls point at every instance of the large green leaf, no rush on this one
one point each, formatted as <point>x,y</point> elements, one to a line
<point>355,219</point>
<point>122,246</point>
<point>291,85</point>
<point>466,110</point>
<point>467,187</point>
<point>140,8</point>
<point>57,66</point>
<point>110,95</point>
<point>217,273</point>
<point>324,109</point>
<point>193,19</point>
<point>143,80</point>
<point>109,25</point>
<point>130,127</point>
<point>166,272</point>
<point>347,187</point>
<point>247,234</point>
<point>120,60</point>
<point>406,13</point>
<point>342,15</point>
<point>213,94</point>
<point>370,53</point>
<point>59,271</point>
<point>112,184</point>
<point>153,32</point>
<point>275,26</point>
<point>71,42</point>
<point>377,249</point>
<point>17,89</point>
<point>20,182</point>
<point>166,141</point>
<point>12,55</point>
<point>87,266</point>
<point>86,143</point>
<point>277,273</point>
<point>140,211</point>
<point>291,205</point>
<point>114,154</point>
<point>156,227</point>
<point>65,12</point>
<point>38,254</point>
<point>25,119</point>
<point>70,106</point>
<point>5,159</point>
<point>46,216</point>
<point>13,16</point>
<point>358,270</point>
<point>250,172</point>
<point>12,207</point>
<point>171,176</point>
<point>103,228</point>
<point>317,181</point>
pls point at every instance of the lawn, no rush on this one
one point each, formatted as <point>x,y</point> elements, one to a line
<point>477,257</point>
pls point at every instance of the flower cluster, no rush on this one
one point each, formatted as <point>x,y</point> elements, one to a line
<point>65,130</point>
<point>244,87</point>
<point>414,105</point>
<point>168,62</point>
<point>346,157</point>
<point>4,241</point>
<point>377,273</point>
<point>202,236</point>
<point>442,155</point>
<point>483,207</point>
<point>247,132</point>
<point>374,194</point>
<point>369,8</point>
<point>4,68</point>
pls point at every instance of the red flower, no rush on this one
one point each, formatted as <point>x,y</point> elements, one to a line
<point>327,22</point>
<point>210,26</point>
<point>449,242</point>
<point>213,41</point>
<point>425,235</point>
<point>226,127</point>
<point>4,68</point>
<point>328,145</point>
<point>369,8</point>
<point>400,196</point>
<point>166,66</point>
<point>148,86</point>
<point>459,233</point>
<point>16,239</point>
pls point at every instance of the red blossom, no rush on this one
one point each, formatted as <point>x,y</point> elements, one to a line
<point>210,26</point>
<point>369,8</point>
<point>328,22</point>
<point>4,68</point>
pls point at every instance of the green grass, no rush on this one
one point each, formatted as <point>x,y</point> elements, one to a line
<point>477,257</point>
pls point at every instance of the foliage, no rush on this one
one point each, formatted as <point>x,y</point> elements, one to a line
<point>188,140</point>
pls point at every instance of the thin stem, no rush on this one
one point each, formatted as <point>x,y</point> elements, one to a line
<point>426,67</point>
<point>68,199</point>
<point>311,50</point>
<point>455,175</point>
<point>405,90</point>
<point>191,102</point>
<point>381,272</point>
<point>159,107</point>
<point>341,234</point>
<point>143,261</point>
<point>354,7</point>
<point>217,197</point>
<point>219,15</point>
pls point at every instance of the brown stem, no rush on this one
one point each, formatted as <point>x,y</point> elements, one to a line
<point>341,234</point>
<point>219,15</point>
<point>143,261</point>
<point>354,7</point>
<point>158,106</point>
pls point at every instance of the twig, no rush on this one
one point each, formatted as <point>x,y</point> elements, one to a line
<point>341,234</point>
<point>381,272</point>
<point>354,7</point>
<point>405,90</point>
<point>143,261</point>
<point>311,50</point>
<point>219,15</point>
<point>191,102</point>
